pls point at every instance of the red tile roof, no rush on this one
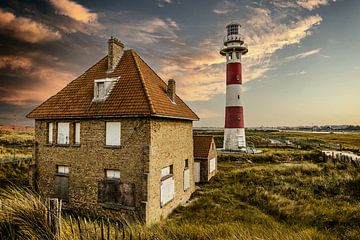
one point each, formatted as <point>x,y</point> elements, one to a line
<point>202,145</point>
<point>138,92</point>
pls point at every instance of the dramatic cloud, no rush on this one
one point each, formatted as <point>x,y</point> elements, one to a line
<point>22,79</point>
<point>201,71</point>
<point>74,10</point>
<point>26,29</point>
<point>14,62</point>
<point>311,4</point>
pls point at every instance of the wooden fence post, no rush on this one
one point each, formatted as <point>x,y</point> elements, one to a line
<point>54,217</point>
<point>102,229</point>
<point>108,229</point>
<point>116,231</point>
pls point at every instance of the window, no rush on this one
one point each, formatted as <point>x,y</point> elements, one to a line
<point>114,194</point>
<point>100,90</point>
<point>103,87</point>
<point>62,169</point>
<point>112,174</point>
<point>232,29</point>
<point>50,132</point>
<point>61,183</point>
<point>212,166</point>
<point>167,185</point>
<point>63,133</point>
<point>230,56</point>
<point>77,133</point>
<point>237,55</point>
<point>186,175</point>
<point>113,134</point>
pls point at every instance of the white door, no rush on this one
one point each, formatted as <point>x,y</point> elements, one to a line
<point>197,171</point>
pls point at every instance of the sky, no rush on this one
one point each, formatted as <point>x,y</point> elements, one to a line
<point>302,68</point>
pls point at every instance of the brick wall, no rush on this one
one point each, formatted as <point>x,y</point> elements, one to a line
<point>171,144</point>
<point>88,162</point>
<point>147,145</point>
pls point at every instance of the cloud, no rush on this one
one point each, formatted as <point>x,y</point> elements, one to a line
<point>150,30</point>
<point>303,55</point>
<point>26,29</point>
<point>74,10</point>
<point>22,80</point>
<point>312,4</point>
<point>200,72</point>
<point>225,7</point>
<point>14,62</point>
<point>162,3</point>
<point>297,73</point>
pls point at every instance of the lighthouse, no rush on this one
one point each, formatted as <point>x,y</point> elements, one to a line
<point>233,49</point>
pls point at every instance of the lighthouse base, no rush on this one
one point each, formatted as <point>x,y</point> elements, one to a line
<point>234,139</point>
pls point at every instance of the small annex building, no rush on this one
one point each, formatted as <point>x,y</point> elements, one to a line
<point>205,157</point>
<point>116,141</point>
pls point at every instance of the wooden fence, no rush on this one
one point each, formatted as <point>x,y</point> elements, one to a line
<point>342,156</point>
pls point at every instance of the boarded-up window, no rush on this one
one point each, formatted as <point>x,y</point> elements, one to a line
<point>167,185</point>
<point>77,133</point>
<point>63,133</point>
<point>212,166</point>
<point>61,183</point>
<point>112,193</point>
<point>186,179</point>
<point>50,132</point>
<point>113,133</point>
<point>167,190</point>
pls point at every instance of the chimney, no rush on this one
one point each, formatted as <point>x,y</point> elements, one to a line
<point>171,89</point>
<point>115,51</point>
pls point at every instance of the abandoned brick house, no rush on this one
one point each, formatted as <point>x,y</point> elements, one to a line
<point>205,158</point>
<point>117,140</point>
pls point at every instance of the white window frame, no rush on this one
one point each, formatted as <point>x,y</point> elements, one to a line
<point>63,133</point>
<point>212,165</point>
<point>113,174</point>
<point>61,169</point>
<point>113,134</point>
<point>50,132</point>
<point>167,185</point>
<point>77,133</point>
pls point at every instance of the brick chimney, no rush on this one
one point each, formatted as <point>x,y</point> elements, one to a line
<point>171,89</point>
<point>115,51</point>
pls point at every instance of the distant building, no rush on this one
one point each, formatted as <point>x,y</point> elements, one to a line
<point>117,140</point>
<point>205,157</point>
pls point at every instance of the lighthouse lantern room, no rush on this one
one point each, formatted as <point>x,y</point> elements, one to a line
<point>234,47</point>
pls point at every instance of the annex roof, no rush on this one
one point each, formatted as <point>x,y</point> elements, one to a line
<point>139,91</point>
<point>202,146</point>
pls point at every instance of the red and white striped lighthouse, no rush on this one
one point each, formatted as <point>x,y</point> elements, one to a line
<point>233,49</point>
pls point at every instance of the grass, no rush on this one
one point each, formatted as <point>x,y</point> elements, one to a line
<point>297,200</point>
<point>18,143</point>
<point>283,193</point>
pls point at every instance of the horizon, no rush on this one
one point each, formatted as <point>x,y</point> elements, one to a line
<point>302,68</point>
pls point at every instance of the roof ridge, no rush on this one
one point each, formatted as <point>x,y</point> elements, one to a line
<point>163,82</point>
<point>143,81</point>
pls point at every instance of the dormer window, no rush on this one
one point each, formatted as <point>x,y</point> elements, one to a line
<point>103,87</point>
<point>100,91</point>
